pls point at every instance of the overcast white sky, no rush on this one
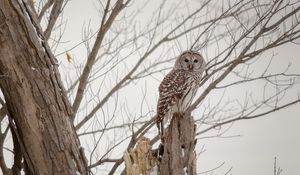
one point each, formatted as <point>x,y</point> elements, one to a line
<point>256,142</point>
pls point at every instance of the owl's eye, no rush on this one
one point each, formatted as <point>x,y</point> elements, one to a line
<point>195,61</point>
<point>186,60</point>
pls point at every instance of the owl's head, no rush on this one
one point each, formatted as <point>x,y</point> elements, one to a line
<point>190,61</point>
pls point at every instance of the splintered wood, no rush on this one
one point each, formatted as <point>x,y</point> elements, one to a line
<point>140,161</point>
<point>177,156</point>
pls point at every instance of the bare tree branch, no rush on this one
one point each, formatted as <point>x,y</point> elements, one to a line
<point>105,25</point>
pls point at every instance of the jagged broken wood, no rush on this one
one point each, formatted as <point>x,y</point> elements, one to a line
<point>178,156</point>
<point>140,160</point>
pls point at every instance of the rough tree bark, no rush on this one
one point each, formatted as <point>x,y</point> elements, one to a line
<point>179,156</point>
<point>35,97</point>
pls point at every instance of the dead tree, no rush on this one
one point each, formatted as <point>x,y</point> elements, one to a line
<point>179,156</point>
<point>176,156</point>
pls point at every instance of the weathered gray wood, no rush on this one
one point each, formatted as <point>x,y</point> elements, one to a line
<point>35,97</point>
<point>179,144</point>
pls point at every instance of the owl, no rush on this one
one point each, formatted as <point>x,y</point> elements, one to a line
<point>179,87</point>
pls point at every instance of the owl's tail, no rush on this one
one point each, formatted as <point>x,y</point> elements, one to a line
<point>160,127</point>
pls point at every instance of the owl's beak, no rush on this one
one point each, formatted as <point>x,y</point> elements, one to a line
<point>190,66</point>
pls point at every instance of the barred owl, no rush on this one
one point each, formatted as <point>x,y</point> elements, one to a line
<point>178,88</point>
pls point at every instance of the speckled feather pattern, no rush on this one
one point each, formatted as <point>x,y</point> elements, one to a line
<point>176,93</point>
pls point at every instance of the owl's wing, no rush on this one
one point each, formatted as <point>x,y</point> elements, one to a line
<point>173,84</point>
<point>170,90</point>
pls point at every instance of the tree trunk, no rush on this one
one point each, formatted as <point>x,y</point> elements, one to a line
<point>34,94</point>
<point>179,156</point>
